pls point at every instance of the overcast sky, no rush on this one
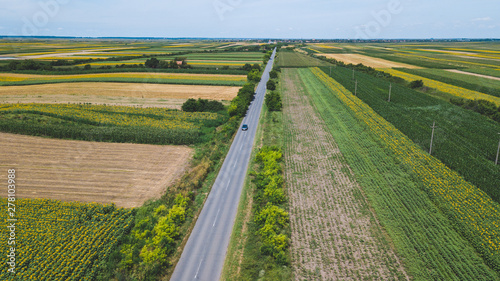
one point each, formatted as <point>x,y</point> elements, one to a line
<point>319,19</point>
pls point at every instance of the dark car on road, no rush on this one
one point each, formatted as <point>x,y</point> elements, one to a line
<point>244,127</point>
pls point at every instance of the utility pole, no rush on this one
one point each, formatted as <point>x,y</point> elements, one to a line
<point>390,88</point>
<point>353,73</point>
<point>432,136</point>
<point>356,88</point>
<point>498,152</point>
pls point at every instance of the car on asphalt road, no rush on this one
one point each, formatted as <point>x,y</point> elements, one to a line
<point>244,127</point>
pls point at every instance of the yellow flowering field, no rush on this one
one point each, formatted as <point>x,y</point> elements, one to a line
<point>474,213</point>
<point>443,87</point>
<point>57,240</point>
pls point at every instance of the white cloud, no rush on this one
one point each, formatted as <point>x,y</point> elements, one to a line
<point>483,19</point>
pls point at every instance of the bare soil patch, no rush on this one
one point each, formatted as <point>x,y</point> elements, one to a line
<point>335,236</point>
<point>366,60</point>
<point>124,174</point>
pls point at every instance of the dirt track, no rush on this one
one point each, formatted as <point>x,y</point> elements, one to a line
<point>334,234</point>
<point>473,74</point>
<point>124,174</point>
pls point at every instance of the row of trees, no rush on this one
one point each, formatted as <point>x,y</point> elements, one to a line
<point>178,62</point>
<point>273,98</point>
<point>484,107</point>
<point>202,105</point>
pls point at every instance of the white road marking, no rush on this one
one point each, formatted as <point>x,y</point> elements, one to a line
<point>228,184</point>
<point>198,271</point>
<point>216,217</point>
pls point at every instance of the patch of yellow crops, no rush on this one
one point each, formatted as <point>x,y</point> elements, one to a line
<point>474,50</point>
<point>443,87</point>
<point>316,51</point>
<point>11,79</point>
<point>62,240</point>
<point>474,213</point>
<point>179,46</point>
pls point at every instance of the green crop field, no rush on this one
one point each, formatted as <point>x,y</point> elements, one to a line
<point>420,202</point>
<point>465,141</point>
<point>295,59</point>
<point>108,123</point>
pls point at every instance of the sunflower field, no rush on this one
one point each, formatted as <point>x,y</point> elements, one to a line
<point>108,123</point>
<point>63,240</point>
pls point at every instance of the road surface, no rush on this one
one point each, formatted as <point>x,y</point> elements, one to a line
<point>205,251</point>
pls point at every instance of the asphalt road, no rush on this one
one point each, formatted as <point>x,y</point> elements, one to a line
<point>205,251</point>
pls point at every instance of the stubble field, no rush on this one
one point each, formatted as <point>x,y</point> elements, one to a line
<point>132,94</point>
<point>124,174</point>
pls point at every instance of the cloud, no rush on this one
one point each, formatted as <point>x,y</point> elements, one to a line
<point>483,19</point>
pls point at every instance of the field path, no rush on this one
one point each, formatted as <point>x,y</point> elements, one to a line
<point>473,74</point>
<point>334,233</point>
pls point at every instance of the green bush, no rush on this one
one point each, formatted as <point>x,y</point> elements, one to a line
<point>416,84</point>
<point>202,105</point>
<point>271,219</point>
<point>273,101</point>
<point>271,85</point>
<point>273,74</point>
<point>253,75</point>
<point>483,107</point>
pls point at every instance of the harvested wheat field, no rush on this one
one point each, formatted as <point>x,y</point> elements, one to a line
<point>124,174</point>
<point>334,235</point>
<point>366,60</point>
<point>165,95</point>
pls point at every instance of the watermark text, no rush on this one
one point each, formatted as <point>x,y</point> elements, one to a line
<point>11,220</point>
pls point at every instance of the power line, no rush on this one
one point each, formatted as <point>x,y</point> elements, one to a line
<point>432,136</point>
